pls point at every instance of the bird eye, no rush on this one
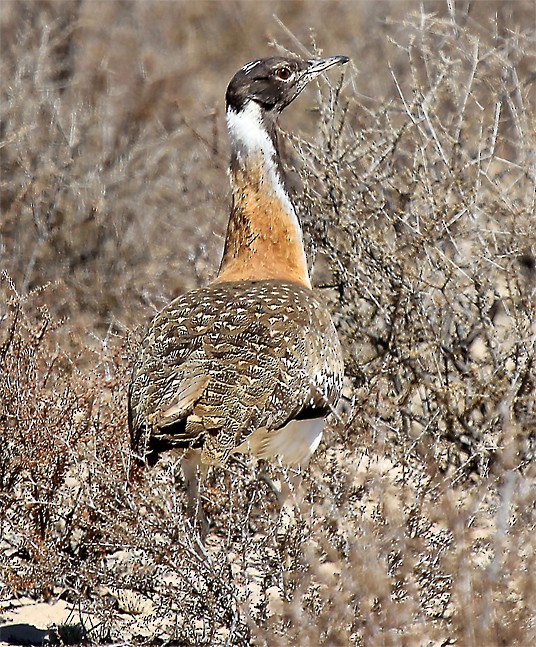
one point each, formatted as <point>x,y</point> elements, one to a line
<point>283,73</point>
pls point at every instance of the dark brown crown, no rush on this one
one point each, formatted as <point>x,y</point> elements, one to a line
<point>274,82</point>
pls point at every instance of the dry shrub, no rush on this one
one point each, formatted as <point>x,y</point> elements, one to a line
<point>415,183</point>
<point>428,207</point>
<point>51,415</point>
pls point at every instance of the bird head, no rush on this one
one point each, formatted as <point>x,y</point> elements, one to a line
<point>273,83</point>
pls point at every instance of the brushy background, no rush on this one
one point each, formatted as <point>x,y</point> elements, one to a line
<point>414,172</point>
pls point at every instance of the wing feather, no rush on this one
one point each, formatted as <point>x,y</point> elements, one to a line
<point>223,361</point>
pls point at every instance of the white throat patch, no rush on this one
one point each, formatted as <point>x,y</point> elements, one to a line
<point>247,133</point>
<point>248,138</point>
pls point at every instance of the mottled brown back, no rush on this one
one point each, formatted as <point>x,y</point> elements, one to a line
<point>222,361</point>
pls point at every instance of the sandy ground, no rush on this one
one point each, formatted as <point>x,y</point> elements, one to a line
<point>25,621</point>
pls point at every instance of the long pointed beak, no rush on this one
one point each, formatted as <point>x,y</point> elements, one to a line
<point>313,69</point>
<point>319,65</point>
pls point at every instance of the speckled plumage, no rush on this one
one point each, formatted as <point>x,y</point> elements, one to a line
<point>252,362</point>
<point>252,354</point>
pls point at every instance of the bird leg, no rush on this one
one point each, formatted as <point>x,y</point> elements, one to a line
<point>194,472</point>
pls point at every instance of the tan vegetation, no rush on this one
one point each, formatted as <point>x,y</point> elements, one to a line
<point>414,172</point>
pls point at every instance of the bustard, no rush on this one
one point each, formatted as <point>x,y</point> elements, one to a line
<point>251,362</point>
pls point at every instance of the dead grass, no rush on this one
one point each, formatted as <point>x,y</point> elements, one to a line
<point>415,179</point>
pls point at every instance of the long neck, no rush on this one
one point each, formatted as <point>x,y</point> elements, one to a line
<point>264,238</point>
